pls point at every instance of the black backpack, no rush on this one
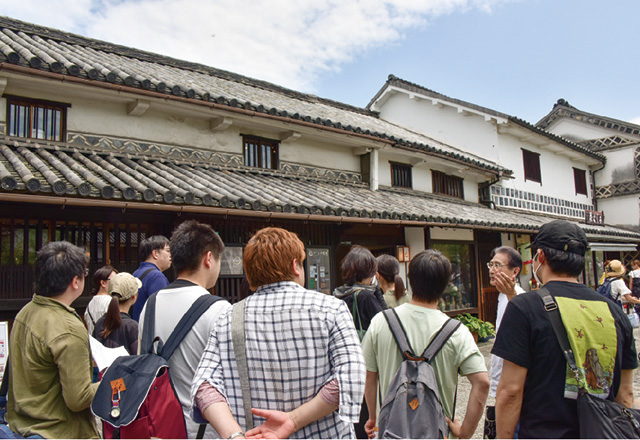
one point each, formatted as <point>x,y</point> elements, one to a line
<point>412,407</point>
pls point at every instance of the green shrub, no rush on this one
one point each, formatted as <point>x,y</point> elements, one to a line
<point>484,329</point>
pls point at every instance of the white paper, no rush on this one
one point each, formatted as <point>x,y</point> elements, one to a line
<point>104,356</point>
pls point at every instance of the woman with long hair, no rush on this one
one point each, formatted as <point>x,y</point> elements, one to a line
<point>99,304</point>
<point>391,282</point>
<point>116,328</point>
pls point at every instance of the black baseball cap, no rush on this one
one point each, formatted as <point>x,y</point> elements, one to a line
<point>563,236</point>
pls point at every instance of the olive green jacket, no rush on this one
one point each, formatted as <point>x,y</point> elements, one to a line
<point>50,387</point>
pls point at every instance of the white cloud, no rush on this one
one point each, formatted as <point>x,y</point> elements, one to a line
<point>287,42</point>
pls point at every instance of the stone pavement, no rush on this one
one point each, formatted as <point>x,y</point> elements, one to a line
<point>464,387</point>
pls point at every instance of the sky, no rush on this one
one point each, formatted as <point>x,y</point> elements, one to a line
<point>513,56</point>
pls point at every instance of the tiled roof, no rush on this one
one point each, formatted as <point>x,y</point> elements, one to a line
<point>42,49</point>
<point>562,108</point>
<point>69,173</point>
<point>412,87</point>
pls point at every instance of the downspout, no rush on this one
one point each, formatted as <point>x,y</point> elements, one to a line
<point>595,200</point>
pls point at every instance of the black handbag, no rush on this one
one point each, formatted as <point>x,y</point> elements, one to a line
<point>597,418</point>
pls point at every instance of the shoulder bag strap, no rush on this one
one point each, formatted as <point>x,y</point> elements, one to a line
<point>551,307</point>
<point>400,336</point>
<point>354,311</point>
<point>240,351</point>
<point>148,326</point>
<point>440,338</point>
<point>186,323</point>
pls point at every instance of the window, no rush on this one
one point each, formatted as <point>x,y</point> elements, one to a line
<point>260,153</point>
<point>36,119</point>
<point>401,175</point>
<point>531,166</point>
<point>580,177</point>
<point>447,185</point>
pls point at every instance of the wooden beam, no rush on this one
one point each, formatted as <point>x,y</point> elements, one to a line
<point>138,107</point>
<point>220,124</point>
<point>290,136</point>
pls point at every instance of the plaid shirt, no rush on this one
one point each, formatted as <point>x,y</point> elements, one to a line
<point>297,340</point>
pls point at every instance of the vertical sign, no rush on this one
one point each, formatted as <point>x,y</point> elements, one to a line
<point>4,346</point>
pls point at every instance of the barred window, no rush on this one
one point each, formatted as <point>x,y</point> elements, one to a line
<point>36,119</point>
<point>401,175</point>
<point>531,166</point>
<point>580,178</point>
<point>448,185</point>
<point>260,152</point>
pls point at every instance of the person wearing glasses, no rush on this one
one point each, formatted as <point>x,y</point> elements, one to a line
<point>50,388</point>
<point>504,268</point>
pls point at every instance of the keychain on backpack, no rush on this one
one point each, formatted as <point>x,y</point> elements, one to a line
<point>116,387</point>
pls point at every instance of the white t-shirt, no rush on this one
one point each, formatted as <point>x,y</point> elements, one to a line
<point>635,273</point>
<point>496,362</point>
<point>96,308</point>
<point>619,289</point>
<point>171,305</point>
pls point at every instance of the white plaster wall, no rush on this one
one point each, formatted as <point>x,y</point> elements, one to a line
<point>442,123</point>
<point>451,234</point>
<point>110,118</point>
<point>556,169</point>
<point>622,211</point>
<point>620,167</point>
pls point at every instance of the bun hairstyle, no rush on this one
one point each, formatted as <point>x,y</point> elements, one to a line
<point>389,269</point>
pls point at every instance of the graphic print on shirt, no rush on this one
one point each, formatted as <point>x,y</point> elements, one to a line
<point>591,330</point>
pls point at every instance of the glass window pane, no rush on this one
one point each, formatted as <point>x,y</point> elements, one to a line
<point>460,292</point>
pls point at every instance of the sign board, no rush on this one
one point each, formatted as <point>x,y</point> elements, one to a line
<point>594,217</point>
<point>4,346</point>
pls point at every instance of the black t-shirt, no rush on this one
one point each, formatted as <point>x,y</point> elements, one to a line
<point>526,338</point>
<point>124,336</point>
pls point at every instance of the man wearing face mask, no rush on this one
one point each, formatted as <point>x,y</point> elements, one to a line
<point>535,389</point>
<point>504,268</point>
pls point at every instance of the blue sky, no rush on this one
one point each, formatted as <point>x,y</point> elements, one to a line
<point>513,56</point>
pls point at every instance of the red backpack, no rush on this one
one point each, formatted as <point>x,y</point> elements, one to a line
<point>136,398</point>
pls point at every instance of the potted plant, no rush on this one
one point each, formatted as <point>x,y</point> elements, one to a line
<point>479,329</point>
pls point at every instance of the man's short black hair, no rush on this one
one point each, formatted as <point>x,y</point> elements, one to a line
<point>429,274</point>
<point>150,244</point>
<point>57,263</point>
<point>190,241</point>
<point>514,257</point>
<point>565,263</point>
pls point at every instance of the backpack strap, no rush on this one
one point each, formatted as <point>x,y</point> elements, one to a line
<point>440,338</point>
<point>186,323</point>
<point>148,326</point>
<point>147,272</point>
<point>397,330</point>
<point>354,311</point>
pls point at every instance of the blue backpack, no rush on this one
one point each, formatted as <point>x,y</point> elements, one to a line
<point>605,290</point>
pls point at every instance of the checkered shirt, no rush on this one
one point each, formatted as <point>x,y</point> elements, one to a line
<point>297,340</point>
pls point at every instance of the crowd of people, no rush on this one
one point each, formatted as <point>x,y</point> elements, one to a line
<point>287,362</point>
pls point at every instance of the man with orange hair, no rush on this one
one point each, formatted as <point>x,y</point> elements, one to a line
<point>303,359</point>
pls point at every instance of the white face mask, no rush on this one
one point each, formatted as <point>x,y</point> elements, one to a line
<point>535,270</point>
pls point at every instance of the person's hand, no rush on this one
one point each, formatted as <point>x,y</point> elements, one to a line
<point>369,427</point>
<point>455,428</point>
<point>278,424</point>
<point>505,283</point>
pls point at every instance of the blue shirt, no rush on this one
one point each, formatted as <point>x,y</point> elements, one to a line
<point>151,283</point>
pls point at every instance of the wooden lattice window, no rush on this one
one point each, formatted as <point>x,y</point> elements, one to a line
<point>401,175</point>
<point>445,184</point>
<point>36,119</point>
<point>531,166</point>
<point>260,152</point>
<point>580,178</point>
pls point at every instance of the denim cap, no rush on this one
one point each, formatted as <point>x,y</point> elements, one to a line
<point>563,236</point>
<point>124,284</point>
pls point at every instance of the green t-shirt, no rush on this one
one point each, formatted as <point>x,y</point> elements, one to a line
<point>460,353</point>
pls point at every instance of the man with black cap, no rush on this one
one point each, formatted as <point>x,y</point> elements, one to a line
<point>537,392</point>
